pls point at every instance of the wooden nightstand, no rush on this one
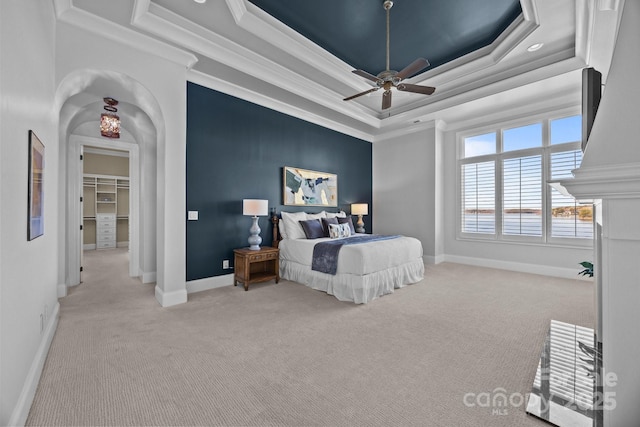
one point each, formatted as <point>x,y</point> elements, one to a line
<point>256,266</point>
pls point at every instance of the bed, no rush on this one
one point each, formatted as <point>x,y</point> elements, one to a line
<point>365,271</point>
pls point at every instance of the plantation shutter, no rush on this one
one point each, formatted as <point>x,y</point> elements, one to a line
<point>522,196</point>
<point>568,218</point>
<point>478,198</point>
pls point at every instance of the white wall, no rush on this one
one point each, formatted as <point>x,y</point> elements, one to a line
<point>32,67</point>
<point>28,274</point>
<point>407,185</point>
<point>165,80</point>
<point>415,191</point>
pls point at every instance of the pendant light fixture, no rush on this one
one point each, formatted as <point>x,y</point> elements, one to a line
<point>109,121</point>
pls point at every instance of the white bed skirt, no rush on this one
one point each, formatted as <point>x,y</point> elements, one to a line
<point>359,289</point>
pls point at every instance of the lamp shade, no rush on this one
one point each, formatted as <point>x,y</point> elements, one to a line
<point>359,209</point>
<point>255,207</point>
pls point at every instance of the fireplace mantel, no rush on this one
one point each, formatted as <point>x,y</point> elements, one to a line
<point>610,177</point>
<point>615,193</point>
<point>620,181</point>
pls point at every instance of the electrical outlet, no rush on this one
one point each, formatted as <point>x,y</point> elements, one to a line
<point>225,264</point>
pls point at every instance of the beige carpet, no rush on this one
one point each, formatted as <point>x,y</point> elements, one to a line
<point>288,355</point>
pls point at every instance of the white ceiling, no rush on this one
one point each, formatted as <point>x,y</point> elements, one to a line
<point>234,47</point>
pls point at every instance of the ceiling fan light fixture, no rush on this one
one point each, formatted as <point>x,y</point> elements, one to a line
<point>388,78</point>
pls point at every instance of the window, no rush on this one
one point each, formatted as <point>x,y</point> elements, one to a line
<point>479,197</point>
<point>522,137</point>
<point>522,196</point>
<point>480,144</point>
<point>568,218</point>
<point>506,171</point>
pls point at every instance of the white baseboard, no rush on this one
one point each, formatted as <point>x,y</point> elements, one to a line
<point>209,283</point>
<point>545,270</point>
<point>167,299</point>
<point>21,410</point>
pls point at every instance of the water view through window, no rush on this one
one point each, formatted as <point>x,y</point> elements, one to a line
<point>561,226</point>
<point>507,172</point>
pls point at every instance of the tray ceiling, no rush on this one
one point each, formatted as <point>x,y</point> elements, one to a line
<point>297,56</point>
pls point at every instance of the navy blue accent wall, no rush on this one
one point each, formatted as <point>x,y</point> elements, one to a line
<point>236,150</point>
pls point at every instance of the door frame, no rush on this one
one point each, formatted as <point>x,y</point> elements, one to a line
<point>75,191</point>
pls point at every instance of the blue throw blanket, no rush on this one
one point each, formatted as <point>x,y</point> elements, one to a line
<point>325,254</point>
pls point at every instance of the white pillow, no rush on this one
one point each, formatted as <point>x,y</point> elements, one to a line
<point>339,230</point>
<point>320,215</point>
<point>291,225</point>
<point>340,214</point>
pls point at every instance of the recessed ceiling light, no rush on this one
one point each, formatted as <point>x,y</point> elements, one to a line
<point>535,47</point>
<point>200,1</point>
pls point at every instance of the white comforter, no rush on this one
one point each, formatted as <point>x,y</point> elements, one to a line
<point>365,271</point>
<point>361,258</point>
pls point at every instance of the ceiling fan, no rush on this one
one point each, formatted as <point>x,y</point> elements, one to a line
<point>391,78</point>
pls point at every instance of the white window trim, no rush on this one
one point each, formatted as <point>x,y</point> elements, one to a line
<point>545,239</point>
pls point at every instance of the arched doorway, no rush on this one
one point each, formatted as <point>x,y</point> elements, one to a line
<point>79,98</point>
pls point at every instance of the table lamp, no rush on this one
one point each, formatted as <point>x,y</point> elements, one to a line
<point>255,208</point>
<point>359,209</point>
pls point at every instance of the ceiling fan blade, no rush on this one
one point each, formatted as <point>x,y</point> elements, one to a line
<point>414,67</point>
<point>366,75</point>
<point>386,99</point>
<point>425,90</point>
<point>361,93</point>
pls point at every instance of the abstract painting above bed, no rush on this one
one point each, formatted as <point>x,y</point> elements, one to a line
<point>303,187</point>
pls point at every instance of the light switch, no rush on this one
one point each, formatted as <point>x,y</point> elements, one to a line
<point>192,216</point>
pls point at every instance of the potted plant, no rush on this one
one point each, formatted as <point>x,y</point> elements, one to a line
<point>588,269</point>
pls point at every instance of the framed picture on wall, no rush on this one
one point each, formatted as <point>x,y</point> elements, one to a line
<point>35,220</point>
<point>303,187</point>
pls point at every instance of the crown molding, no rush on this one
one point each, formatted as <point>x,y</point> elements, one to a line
<point>485,72</point>
<point>465,69</point>
<point>163,23</point>
<point>446,108</point>
<point>259,23</point>
<point>66,12</point>
<point>237,9</point>
<point>488,82</point>
<point>421,126</point>
<point>585,21</point>
<point>457,77</point>
<point>259,98</point>
<point>589,23</point>
<point>461,71</point>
